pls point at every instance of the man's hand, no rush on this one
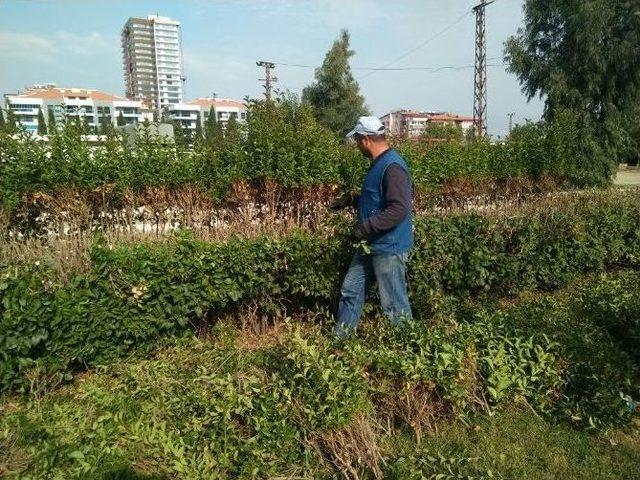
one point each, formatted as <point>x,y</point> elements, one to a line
<point>342,202</point>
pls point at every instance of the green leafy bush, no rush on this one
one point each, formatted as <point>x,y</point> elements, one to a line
<point>217,409</point>
<point>281,142</point>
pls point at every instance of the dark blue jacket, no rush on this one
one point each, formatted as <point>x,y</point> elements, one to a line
<point>398,239</point>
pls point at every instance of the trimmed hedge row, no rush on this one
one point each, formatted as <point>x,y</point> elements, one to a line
<point>135,294</point>
<point>282,143</point>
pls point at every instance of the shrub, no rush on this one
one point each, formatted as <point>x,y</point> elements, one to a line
<point>282,142</point>
<point>134,295</point>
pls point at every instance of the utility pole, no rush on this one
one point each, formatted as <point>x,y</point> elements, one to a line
<point>268,78</point>
<point>511,121</point>
<point>480,73</point>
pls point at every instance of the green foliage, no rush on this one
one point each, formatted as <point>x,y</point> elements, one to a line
<point>335,96</point>
<point>422,463</point>
<point>338,389</point>
<point>579,56</point>
<point>105,124</point>
<point>213,130</point>
<point>179,134</point>
<point>441,131</point>
<point>12,125</point>
<point>51,120</point>
<point>120,119</point>
<point>199,134</point>
<point>42,126</point>
<point>207,409</point>
<point>134,295</point>
<point>283,143</point>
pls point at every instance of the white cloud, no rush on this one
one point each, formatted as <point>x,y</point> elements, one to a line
<point>26,46</point>
<point>32,47</point>
<point>89,44</point>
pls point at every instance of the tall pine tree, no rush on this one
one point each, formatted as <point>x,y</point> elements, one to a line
<point>213,129</point>
<point>120,121</point>
<point>51,124</point>
<point>198,137</point>
<point>179,136</point>
<point>12,123</point>
<point>2,122</point>
<point>42,126</point>
<point>105,124</point>
<point>335,95</point>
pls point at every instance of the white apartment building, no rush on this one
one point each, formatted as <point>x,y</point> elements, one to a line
<point>411,123</point>
<point>152,59</point>
<point>184,113</point>
<point>91,105</point>
<point>224,108</point>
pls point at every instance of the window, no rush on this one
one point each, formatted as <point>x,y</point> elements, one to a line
<point>21,107</point>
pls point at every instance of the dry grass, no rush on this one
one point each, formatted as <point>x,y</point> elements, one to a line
<point>415,404</point>
<point>354,450</point>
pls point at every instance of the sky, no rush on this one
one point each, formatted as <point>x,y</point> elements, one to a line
<point>76,43</point>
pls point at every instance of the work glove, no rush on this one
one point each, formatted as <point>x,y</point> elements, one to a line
<point>359,232</point>
<point>341,202</point>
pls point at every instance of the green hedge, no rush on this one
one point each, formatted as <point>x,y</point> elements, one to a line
<point>223,408</point>
<point>282,143</point>
<point>133,295</point>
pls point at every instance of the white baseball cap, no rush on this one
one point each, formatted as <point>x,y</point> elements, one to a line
<point>367,126</point>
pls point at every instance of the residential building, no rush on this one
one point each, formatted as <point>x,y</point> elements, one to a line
<point>152,59</point>
<point>89,104</point>
<point>184,113</point>
<point>224,108</point>
<point>411,123</point>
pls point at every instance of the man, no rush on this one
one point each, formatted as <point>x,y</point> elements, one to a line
<point>385,222</point>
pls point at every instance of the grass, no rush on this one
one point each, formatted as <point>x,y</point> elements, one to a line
<point>513,444</point>
<point>520,445</point>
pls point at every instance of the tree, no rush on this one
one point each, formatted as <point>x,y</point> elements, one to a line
<point>120,121</point>
<point>442,131</point>
<point>42,126</point>
<point>213,129</point>
<point>581,56</point>
<point>179,136</point>
<point>51,124</point>
<point>198,137</point>
<point>335,95</point>
<point>105,124</point>
<point>2,122</point>
<point>232,133</point>
<point>12,123</point>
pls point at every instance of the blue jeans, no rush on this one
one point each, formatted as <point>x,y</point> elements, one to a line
<point>388,270</point>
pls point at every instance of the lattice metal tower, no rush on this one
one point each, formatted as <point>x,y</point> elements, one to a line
<point>268,78</point>
<point>480,73</point>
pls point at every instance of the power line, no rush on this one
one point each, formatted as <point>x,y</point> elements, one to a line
<point>395,69</point>
<point>418,47</point>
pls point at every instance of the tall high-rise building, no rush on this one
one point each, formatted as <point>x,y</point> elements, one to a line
<point>152,56</point>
